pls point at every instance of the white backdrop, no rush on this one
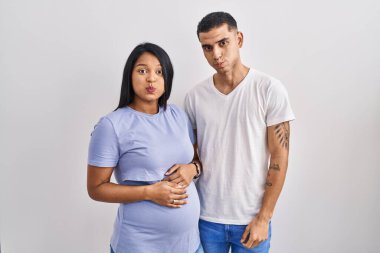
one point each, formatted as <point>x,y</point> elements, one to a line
<point>61,65</point>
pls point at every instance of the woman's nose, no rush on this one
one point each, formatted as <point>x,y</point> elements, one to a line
<point>151,77</point>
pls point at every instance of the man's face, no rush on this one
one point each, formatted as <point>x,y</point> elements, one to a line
<point>221,47</point>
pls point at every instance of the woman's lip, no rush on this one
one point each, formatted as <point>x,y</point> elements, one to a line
<point>150,89</point>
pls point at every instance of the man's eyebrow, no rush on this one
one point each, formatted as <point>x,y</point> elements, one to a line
<point>222,40</point>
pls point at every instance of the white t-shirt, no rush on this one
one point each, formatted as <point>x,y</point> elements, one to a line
<point>232,142</point>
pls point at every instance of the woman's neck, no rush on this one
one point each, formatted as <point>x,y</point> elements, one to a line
<point>149,108</point>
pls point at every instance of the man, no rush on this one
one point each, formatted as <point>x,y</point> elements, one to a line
<point>241,117</point>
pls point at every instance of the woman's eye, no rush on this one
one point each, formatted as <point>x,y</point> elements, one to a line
<point>142,71</point>
<point>159,72</point>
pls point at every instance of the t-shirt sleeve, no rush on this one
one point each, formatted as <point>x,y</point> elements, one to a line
<point>104,149</point>
<point>278,105</point>
<point>189,111</point>
<point>190,129</point>
<point>186,119</point>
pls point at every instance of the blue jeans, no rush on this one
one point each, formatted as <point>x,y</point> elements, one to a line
<point>220,238</point>
<point>199,250</point>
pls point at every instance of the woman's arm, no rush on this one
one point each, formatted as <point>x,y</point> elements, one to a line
<point>100,188</point>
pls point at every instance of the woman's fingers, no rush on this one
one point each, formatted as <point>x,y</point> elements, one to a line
<point>178,180</point>
<point>178,201</point>
<point>175,186</point>
<point>177,192</point>
<point>179,197</point>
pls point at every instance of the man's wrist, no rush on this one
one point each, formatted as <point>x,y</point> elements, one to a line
<point>264,217</point>
<point>197,169</point>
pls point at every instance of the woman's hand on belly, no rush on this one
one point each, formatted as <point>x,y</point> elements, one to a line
<point>166,194</point>
<point>181,174</point>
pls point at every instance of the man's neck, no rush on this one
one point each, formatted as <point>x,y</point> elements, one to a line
<point>227,81</point>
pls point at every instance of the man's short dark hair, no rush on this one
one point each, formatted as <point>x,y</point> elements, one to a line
<point>214,20</point>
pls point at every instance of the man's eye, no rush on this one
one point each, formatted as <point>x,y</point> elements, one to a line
<point>207,48</point>
<point>223,43</point>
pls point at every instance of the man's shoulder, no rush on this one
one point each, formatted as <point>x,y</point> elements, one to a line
<point>199,87</point>
<point>263,77</point>
<point>264,80</point>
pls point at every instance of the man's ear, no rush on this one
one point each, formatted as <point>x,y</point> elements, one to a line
<point>240,38</point>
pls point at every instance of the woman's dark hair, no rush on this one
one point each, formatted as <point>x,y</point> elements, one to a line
<point>127,94</point>
<point>214,20</point>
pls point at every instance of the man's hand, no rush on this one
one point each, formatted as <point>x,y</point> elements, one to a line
<point>255,233</point>
<point>182,174</point>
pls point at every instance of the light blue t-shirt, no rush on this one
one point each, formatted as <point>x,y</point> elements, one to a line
<point>142,147</point>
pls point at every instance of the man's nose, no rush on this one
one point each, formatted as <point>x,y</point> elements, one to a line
<point>217,53</point>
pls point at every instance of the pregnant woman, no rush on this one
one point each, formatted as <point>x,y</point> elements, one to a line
<point>149,145</point>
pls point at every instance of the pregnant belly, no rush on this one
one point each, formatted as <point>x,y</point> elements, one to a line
<point>148,217</point>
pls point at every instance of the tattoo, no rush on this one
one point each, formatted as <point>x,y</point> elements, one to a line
<point>282,134</point>
<point>274,167</point>
<point>268,183</point>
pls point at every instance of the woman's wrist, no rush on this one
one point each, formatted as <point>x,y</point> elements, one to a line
<point>146,192</point>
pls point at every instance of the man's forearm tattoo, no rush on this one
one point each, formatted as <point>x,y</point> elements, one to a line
<point>274,166</point>
<point>282,134</point>
<point>268,182</point>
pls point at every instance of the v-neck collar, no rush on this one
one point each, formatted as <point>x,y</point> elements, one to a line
<point>242,83</point>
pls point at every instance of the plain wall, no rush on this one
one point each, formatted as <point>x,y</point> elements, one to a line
<point>61,66</point>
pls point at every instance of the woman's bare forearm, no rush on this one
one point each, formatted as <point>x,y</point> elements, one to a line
<point>100,187</point>
<point>115,193</point>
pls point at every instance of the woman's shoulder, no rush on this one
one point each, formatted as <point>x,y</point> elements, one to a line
<point>116,115</point>
<point>113,118</point>
<point>175,109</point>
<point>177,113</point>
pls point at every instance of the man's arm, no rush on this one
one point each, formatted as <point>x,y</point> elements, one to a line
<point>278,143</point>
<point>184,173</point>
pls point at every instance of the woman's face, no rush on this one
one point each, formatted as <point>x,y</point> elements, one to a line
<point>147,79</point>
